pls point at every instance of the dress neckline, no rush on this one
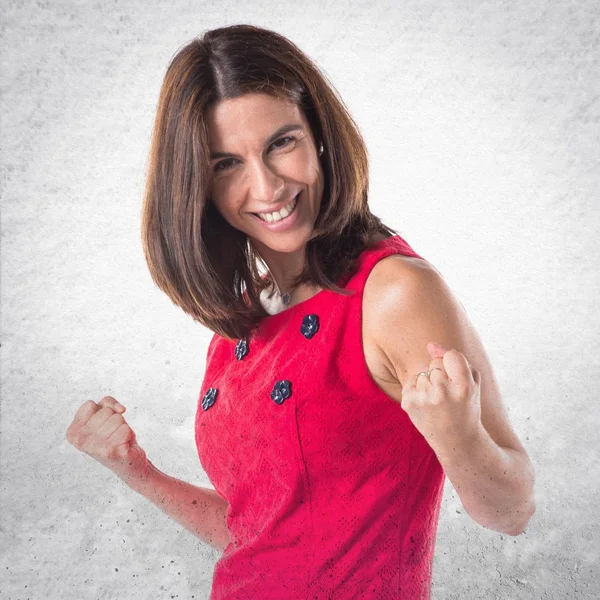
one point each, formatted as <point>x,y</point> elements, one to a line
<point>341,282</point>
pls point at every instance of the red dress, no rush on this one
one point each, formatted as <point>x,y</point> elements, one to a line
<point>332,491</point>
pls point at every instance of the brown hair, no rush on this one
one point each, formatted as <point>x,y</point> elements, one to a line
<point>208,268</point>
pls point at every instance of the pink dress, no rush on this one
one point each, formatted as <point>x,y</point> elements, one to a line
<point>332,491</point>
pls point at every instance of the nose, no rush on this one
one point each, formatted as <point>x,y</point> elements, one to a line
<point>264,184</point>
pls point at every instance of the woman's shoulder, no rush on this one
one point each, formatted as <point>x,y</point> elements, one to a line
<point>394,273</point>
<point>390,282</point>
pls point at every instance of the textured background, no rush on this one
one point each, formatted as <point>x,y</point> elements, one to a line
<point>482,123</point>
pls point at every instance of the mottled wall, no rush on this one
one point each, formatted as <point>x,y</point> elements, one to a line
<point>481,121</point>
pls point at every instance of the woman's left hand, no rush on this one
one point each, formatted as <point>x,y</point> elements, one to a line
<point>445,407</point>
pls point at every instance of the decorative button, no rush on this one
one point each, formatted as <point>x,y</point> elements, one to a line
<point>281,391</point>
<point>209,398</point>
<point>241,348</point>
<point>310,326</point>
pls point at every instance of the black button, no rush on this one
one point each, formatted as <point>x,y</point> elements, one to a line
<point>209,398</point>
<point>310,326</point>
<point>281,391</point>
<point>241,348</point>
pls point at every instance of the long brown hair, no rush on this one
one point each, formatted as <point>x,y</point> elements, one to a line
<point>208,268</point>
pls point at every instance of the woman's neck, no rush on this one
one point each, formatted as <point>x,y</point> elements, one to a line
<point>283,267</point>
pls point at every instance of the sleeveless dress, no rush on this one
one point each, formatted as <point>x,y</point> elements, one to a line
<point>332,491</point>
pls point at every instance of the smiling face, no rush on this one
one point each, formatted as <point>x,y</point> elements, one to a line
<point>264,160</point>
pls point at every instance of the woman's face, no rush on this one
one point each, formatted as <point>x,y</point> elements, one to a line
<point>264,160</point>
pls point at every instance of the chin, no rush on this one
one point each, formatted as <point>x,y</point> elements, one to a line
<point>280,242</point>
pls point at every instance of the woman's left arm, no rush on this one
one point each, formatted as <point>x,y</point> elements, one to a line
<point>418,325</point>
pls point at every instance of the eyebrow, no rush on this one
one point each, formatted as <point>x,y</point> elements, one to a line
<point>282,130</point>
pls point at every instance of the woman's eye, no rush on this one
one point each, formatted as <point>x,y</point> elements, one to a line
<point>287,137</point>
<point>225,164</point>
<point>222,165</point>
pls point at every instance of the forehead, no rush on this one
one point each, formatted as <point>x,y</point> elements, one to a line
<point>252,117</point>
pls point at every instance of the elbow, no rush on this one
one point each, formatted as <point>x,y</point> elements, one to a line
<point>523,516</point>
<point>512,523</point>
<point>524,511</point>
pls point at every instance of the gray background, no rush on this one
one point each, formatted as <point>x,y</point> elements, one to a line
<point>481,121</point>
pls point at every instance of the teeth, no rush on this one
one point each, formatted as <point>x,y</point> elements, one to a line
<point>282,214</point>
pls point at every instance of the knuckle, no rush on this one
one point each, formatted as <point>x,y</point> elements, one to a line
<point>107,401</point>
<point>104,414</point>
<point>118,419</point>
<point>88,408</point>
<point>72,435</point>
<point>78,440</point>
<point>84,409</point>
<point>128,432</point>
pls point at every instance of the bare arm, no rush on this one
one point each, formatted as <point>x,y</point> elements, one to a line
<point>200,510</point>
<point>101,431</point>
<point>464,421</point>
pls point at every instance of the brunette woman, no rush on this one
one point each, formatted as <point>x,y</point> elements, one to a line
<point>343,381</point>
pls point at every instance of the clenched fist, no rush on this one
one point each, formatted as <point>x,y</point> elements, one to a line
<point>100,430</point>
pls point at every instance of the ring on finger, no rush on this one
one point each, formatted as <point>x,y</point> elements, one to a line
<point>428,373</point>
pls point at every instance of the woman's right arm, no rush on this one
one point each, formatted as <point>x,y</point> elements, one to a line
<point>101,431</point>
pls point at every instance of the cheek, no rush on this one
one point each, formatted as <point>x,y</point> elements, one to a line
<point>308,170</point>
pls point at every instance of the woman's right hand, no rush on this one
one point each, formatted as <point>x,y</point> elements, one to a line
<point>100,430</point>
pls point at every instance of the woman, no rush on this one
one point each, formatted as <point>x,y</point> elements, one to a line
<point>344,381</point>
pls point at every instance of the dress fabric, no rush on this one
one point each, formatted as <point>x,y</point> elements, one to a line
<point>333,493</point>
